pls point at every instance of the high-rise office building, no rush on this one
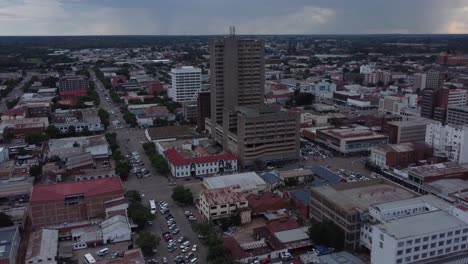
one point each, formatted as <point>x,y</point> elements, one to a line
<point>434,79</point>
<point>240,121</point>
<point>186,83</point>
<point>237,68</point>
<point>203,109</point>
<point>435,102</point>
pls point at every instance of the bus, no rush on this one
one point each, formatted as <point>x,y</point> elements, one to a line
<point>89,258</point>
<point>152,206</point>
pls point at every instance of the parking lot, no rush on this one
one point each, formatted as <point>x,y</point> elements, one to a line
<point>113,249</point>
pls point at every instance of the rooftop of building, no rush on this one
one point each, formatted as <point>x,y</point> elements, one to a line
<point>403,147</point>
<point>156,133</point>
<point>266,202</point>
<point>327,175</point>
<point>292,235</point>
<point>223,196</point>
<point>58,192</point>
<point>188,151</point>
<point>425,199</point>
<point>79,160</point>
<point>7,235</point>
<point>245,181</point>
<point>271,178</point>
<point>90,141</point>
<point>295,173</point>
<point>438,169</point>
<point>42,243</point>
<point>448,186</point>
<point>358,196</point>
<point>282,224</point>
<point>355,133</point>
<point>409,123</point>
<point>421,224</point>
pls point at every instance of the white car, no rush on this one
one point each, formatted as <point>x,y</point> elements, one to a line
<point>185,250</point>
<point>194,248</point>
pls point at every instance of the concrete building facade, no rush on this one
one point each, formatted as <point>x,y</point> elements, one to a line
<point>405,131</point>
<point>72,201</point>
<point>352,140</point>
<point>457,115</point>
<point>186,83</point>
<point>239,120</point>
<point>345,203</point>
<point>449,141</point>
<point>73,83</point>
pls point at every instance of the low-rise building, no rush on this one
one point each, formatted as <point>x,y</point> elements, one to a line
<point>344,203</point>
<point>72,201</point>
<point>67,147</point>
<point>220,203</point>
<point>9,244</point>
<point>400,154</point>
<point>417,230</point>
<point>78,120</point>
<point>42,247</point>
<point>350,140</point>
<point>247,182</point>
<point>197,157</point>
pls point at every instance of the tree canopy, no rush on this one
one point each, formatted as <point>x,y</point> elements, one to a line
<point>182,195</point>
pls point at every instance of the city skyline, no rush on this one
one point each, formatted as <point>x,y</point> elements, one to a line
<point>209,17</point>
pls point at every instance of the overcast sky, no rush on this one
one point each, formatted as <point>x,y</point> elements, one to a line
<point>183,17</point>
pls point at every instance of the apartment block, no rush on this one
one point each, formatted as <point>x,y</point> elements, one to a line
<point>186,83</point>
<point>344,203</point>
<point>434,79</point>
<point>435,102</point>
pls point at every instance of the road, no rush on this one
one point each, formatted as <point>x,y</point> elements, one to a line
<point>155,187</point>
<point>16,92</point>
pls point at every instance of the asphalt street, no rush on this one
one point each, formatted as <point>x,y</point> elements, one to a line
<point>155,187</point>
<point>16,92</point>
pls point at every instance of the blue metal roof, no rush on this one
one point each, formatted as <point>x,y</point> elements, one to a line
<point>326,174</point>
<point>271,178</point>
<point>302,195</point>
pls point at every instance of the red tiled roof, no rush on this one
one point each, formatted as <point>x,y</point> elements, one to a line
<point>177,159</point>
<point>282,224</point>
<point>234,248</point>
<point>265,202</point>
<point>57,192</point>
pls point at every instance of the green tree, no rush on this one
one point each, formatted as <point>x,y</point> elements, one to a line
<point>8,135</point>
<point>182,195</point>
<point>216,253</point>
<point>105,117</point>
<point>140,214</point>
<point>35,138</point>
<point>133,196</point>
<point>52,131</point>
<point>35,170</point>
<point>5,220</point>
<point>122,168</point>
<point>147,241</point>
<point>159,163</point>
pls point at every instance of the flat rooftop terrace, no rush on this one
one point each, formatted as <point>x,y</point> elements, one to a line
<point>360,195</point>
